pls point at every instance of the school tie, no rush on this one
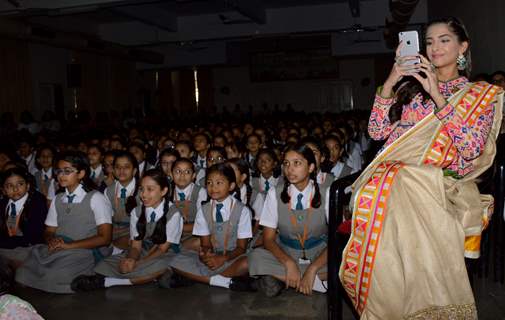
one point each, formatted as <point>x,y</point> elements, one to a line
<point>70,198</point>
<point>201,163</point>
<point>219,215</point>
<point>182,196</point>
<point>299,205</point>
<point>267,185</point>
<point>13,210</point>
<point>93,175</point>
<point>46,178</point>
<point>123,193</point>
<point>153,217</point>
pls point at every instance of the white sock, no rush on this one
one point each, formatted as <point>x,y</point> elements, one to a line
<point>116,250</point>
<point>220,281</point>
<point>319,286</point>
<point>109,282</point>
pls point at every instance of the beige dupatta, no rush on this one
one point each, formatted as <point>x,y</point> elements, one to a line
<point>405,257</point>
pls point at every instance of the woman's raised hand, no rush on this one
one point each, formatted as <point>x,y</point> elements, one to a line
<point>430,82</point>
<point>401,68</point>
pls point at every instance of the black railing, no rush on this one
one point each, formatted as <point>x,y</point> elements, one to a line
<point>336,243</point>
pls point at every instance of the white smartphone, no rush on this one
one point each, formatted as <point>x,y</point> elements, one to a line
<point>409,45</point>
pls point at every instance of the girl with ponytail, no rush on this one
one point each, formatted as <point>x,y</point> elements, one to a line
<point>155,232</point>
<point>294,221</point>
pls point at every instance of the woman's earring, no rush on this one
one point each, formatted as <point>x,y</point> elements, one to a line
<point>461,62</point>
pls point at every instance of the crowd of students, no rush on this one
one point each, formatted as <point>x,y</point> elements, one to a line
<point>235,205</point>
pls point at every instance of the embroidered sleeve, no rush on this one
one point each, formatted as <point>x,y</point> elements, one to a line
<point>468,139</point>
<point>379,125</point>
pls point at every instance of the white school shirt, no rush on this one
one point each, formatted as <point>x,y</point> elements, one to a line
<point>272,182</point>
<point>322,176</point>
<point>142,166</point>
<point>258,204</point>
<point>130,188</point>
<point>244,231</point>
<point>19,204</point>
<point>51,189</point>
<point>337,169</point>
<point>30,163</point>
<point>99,205</point>
<point>202,194</point>
<point>97,171</point>
<point>355,160</point>
<point>199,175</point>
<point>270,216</point>
<point>173,227</point>
<point>198,161</point>
<point>243,194</point>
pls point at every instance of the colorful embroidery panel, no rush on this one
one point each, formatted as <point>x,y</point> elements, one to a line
<point>369,214</point>
<point>467,128</point>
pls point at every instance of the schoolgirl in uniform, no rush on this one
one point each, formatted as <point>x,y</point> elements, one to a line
<point>108,170</point>
<point>214,156</point>
<point>154,231</point>
<point>139,151</point>
<point>187,198</point>
<point>224,227</point>
<point>78,231</point>
<point>234,150</point>
<point>201,144</point>
<point>22,215</point>
<point>123,197</point>
<point>95,157</point>
<point>244,188</point>
<point>44,179</point>
<point>267,177</point>
<point>338,157</point>
<point>253,146</point>
<point>184,148</point>
<point>325,179</point>
<point>166,160</point>
<point>295,230</point>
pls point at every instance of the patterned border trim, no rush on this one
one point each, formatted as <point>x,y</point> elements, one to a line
<point>460,312</point>
<point>368,217</point>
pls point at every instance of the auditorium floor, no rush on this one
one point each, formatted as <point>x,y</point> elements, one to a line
<point>202,302</point>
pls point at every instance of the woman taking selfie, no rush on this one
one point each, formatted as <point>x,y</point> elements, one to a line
<point>417,211</point>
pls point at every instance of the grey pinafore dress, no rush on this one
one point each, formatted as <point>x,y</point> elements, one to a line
<point>263,262</point>
<point>110,266</point>
<point>53,272</point>
<point>189,261</point>
<point>188,209</point>
<point>120,218</point>
<point>41,183</point>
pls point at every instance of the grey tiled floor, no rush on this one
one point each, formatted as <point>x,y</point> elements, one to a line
<point>202,302</point>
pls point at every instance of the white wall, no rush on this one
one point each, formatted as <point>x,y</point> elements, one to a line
<point>307,95</point>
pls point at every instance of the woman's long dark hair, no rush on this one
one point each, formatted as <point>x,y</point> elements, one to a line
<point>159,235</point>
<point>308,155</point>
<point>131,201</point>
<point>25,214</point>
<point>79,161</point>
<point>409,88</point>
